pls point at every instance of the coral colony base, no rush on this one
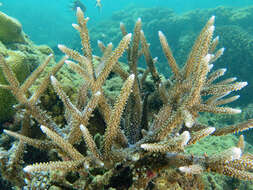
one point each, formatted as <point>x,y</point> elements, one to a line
<point>138,146</point>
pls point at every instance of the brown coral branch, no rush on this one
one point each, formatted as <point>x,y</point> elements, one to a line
<point>113,130</point>
<point>234,128</point>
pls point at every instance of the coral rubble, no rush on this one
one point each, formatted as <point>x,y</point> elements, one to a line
<point>140,148</point>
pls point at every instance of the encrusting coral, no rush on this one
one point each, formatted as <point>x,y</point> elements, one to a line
<point>11,30</point>
<point>135,147</point>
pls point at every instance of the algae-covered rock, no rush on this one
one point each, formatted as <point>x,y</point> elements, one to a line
<point>10,29</point>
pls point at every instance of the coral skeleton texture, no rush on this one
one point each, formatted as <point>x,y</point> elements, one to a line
<point>136,141</point>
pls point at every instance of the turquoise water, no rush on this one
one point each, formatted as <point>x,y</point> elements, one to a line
<point>48,21</point>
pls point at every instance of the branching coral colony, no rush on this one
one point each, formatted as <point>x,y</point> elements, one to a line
<point>135,146</point>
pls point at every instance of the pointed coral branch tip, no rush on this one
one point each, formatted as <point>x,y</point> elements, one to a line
<point>210,130</point>
<point>53,79</point>
<point>160,33</point>
<point>43,128</point>
<point>78,9</point>
<point>210,67</point>
<point>76,26</point>
<point>207,57</point>
<point>61,46</point>
<point>212,18</point>
<point>144,146</point>
<point>132,76</point>
<point>98,93</point>
<point>237,111</point>
<point>128,36</point>
<point>243,84</point>
<point>68,62</point>
<point>27,169</point>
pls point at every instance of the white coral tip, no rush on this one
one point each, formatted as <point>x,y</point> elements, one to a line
<point>160,33</point>
<point>243,84</point>
<point>98,93</point>
<point>236,153</point>
<point>53,80</point>
<point>186,137</point>
<point>184,169</point>
<point>224,70</point>
<point>207,58</point>
<point>75,25</point>
<point>68,61</point>
<point>129,36</point>
<point>236,111</point>
<point>83,129</point>
<point>42,127</point>
<point>210,67</point>
<point>28,169</point>
<point>131,77</point>
<point>212,18</point>
<point>145,146</point>
<point>211,130</point>
<point>60,46</point>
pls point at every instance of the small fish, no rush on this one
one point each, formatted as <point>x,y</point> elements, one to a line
<point>77,3</point>
<point>98,4</point>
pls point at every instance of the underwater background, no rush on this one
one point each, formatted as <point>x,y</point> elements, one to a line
<point>47,22</point>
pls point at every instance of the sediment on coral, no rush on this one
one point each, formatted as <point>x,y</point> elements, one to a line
<point>141,146</point>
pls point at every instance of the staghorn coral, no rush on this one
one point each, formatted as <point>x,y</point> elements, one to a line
<point>182,29</point>
<point>135,147</point>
